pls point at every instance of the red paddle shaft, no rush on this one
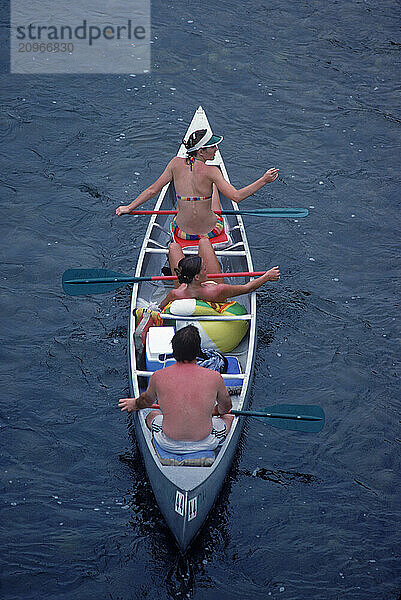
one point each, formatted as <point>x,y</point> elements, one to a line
<point>241,274</point>
<point>157,212</point>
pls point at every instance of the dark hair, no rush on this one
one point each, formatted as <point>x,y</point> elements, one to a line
<point>193,140</point>
<point>187,268</point>
<point>186,344</point>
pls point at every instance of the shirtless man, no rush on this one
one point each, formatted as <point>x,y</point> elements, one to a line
<point>194,283</point>
<point>189,419</point>
<point>196,185</point>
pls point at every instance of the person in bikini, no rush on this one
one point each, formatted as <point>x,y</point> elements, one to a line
<point>194,402</point>
<point>194,283</point>
<point>197,185</point>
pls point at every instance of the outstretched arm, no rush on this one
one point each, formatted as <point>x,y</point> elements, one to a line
<point>145,400</point>
<point>150,192</point>
<point>235,195</point>
<point>222,291</point>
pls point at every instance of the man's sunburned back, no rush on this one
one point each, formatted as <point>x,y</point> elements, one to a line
<point>187,395</point>
<point>194,216</point>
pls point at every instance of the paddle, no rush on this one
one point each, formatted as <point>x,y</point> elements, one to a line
<point>293,213</point>
<point>295,417</point>
<point>78,282</point>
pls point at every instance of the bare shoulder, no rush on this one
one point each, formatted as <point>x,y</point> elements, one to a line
<point>213,171</point>
<point>180,293</point>
<point>214,291</point>
<point>159,376</point>
<point>174,163</point>
<point>154,377</point>
<point>159,373</point>
<point>210,374</point>
<point>177,161</point>
<point>212,168</point>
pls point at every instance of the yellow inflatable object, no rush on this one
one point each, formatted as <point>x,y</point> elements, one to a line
<point>218,335</point>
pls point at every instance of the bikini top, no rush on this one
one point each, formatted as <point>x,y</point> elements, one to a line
<point>192,160</point>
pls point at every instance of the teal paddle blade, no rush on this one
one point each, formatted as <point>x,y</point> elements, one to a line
<point>84,288</point>
<point>295,417</point>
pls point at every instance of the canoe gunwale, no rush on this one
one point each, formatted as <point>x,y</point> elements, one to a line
<point>198,477</point>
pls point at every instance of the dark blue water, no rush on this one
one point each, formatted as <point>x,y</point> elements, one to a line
<point>312,88</point>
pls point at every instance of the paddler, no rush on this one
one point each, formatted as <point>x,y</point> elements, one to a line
<point>193,401</point>
<point>197,185</point>
<point>194,283</point>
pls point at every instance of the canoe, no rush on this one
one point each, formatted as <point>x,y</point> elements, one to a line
<point>186,494</point>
